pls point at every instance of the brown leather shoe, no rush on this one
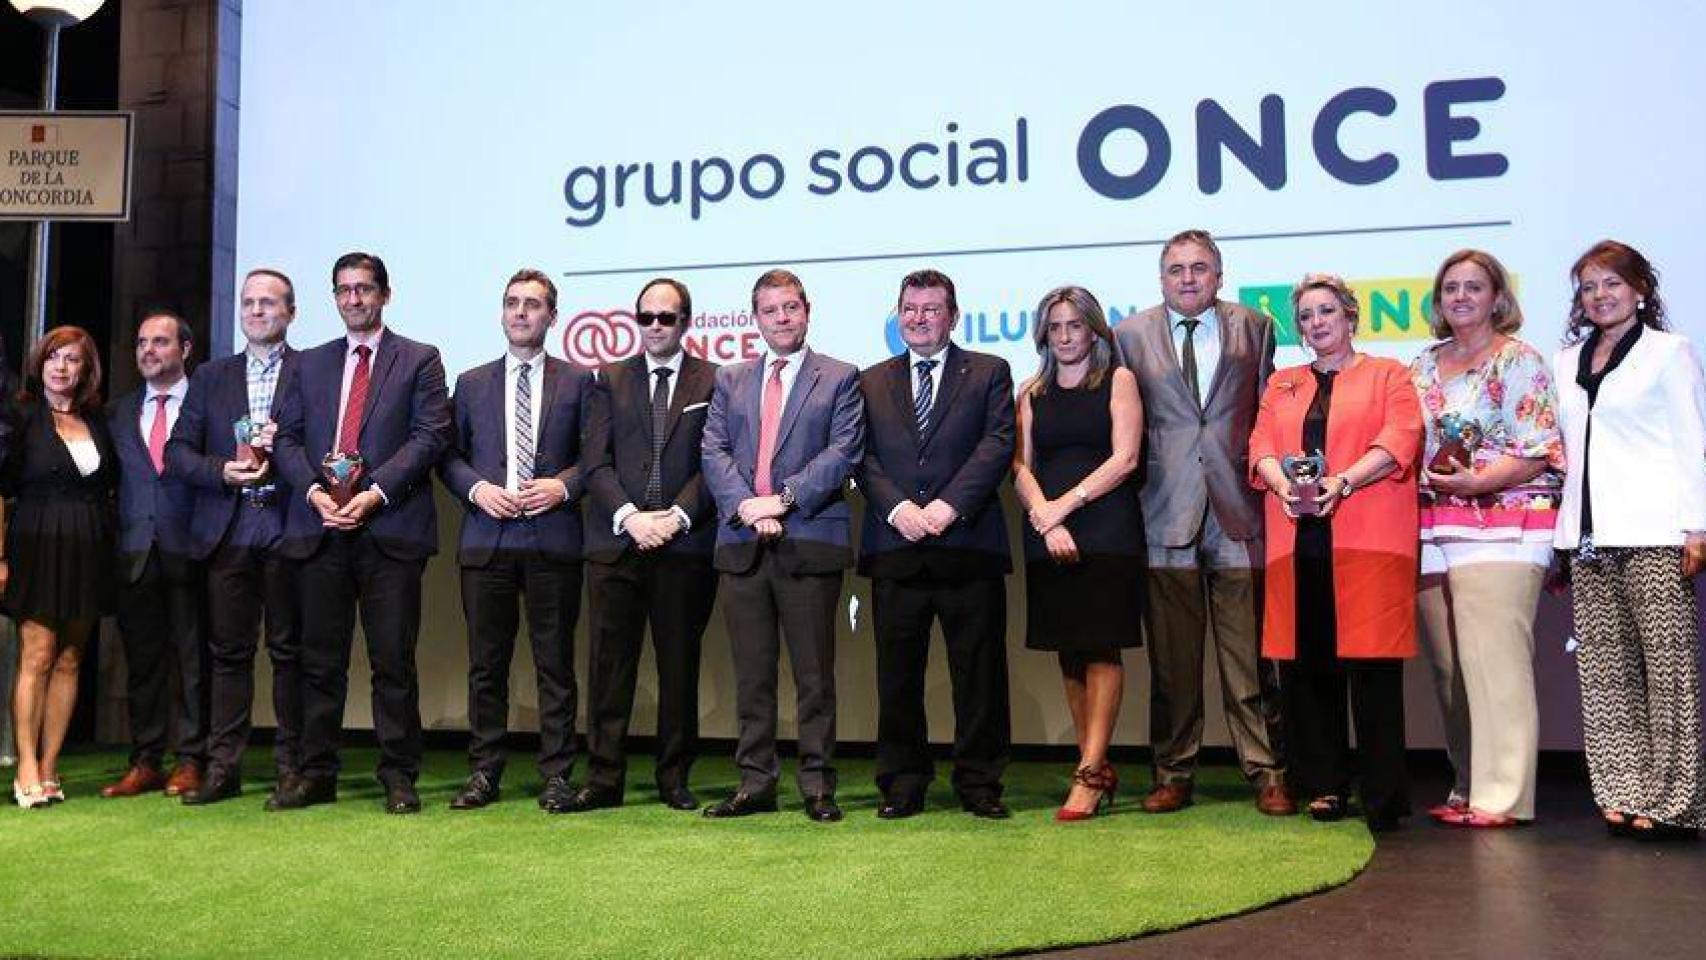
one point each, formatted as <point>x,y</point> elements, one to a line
<point>185,778</point>
<point>1169,797</point>
<point>137,780</point>
<point>1274,801</point>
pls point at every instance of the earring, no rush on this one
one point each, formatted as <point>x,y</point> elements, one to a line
<point>1641,304</point>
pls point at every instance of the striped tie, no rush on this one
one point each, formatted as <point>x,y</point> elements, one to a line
<point>660,421</point>
<point>523,424</point>
<point>921,399</point>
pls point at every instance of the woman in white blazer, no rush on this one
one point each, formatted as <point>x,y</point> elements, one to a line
<point>1632,401</point>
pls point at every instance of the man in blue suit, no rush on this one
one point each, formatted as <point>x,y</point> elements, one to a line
<point>379,396</point>
<point>939,445</point>
<point>783,434</point>
<point>514,463</point>
<point>160,593</point>
<point>235,530</point>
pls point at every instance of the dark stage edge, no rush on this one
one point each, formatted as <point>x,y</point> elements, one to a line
<point>1559,888</point>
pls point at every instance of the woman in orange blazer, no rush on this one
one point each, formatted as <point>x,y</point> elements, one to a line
<point>1341,568</point>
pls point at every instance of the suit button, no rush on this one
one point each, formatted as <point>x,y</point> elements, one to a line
<point>921,461</point>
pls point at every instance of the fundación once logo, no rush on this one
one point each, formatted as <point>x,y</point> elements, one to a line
<point>593,338</point>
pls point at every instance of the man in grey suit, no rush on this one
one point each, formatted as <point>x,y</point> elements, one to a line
<point>1200,364</point>
<point>782,435</point>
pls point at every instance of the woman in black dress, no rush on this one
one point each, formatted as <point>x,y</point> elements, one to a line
<point>1080,429</point>
<point>59,545</point>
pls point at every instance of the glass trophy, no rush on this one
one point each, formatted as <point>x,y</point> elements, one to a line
<point>245,431</point>
<point>341,472</point>
<point>1458,439</point>
<point>1305,472</point>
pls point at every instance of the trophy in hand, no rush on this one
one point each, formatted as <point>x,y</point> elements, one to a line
<point>245,431</point>
<point>341,471</point>
<point>1305,472</point>
<point>1458,439</point>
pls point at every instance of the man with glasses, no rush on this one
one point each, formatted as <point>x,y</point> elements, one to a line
<point>935,548</point>
<point>1201,363</point>
<point>783,434</point>
<point>362,423</point>
<point>651,525</point>
<point>514,464</point>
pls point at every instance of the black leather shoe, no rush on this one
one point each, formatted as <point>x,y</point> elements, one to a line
<point>592,797</point>
<point>822,808</point>
<point>219,784</point>
<point>899,808</point>
<point>481,789</point>
<point>678,798</point>
<point>401,798</point>
<point>989,808</point>
<point>304,792</point>
<point>556,795</point>
<point>743,804</point>
<point>287,780</point>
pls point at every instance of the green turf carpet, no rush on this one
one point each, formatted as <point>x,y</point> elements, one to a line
<point>149,877</point>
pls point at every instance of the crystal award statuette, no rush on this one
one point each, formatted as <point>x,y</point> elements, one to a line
<point>1458,439</point>
<point>341,472</point>
<point>1305,472</point>
<point>245,431</point>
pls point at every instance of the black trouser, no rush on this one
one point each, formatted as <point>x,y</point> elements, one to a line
<point>348,570</point>
<point>252,591</point>
<point>675,593</point>
<point>493,599</point>
<point>973,614</point>
<point>159,617</point>
<point>763,608</point>
<point>1315,686</point>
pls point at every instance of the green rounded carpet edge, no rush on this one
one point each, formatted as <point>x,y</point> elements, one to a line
<point>148,877</point>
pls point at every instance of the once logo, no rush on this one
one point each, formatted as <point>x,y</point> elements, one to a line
<point>593,338</point>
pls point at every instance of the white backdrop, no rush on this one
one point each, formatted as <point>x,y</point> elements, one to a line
<point>1060,143</point>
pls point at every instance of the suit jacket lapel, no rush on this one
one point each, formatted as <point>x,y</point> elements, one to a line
<point>686,386</point>
<point>640,385</point>
<point>552,379</point>
<point>1227,337</point>
<point>383,360</point>
<point>900,390</point>
<point>954,369</point>
<point>804,381</point>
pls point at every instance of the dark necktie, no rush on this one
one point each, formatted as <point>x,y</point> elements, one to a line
<point>660,418</point>
<point>349,432</point>
<point>921,399</point>
<point>1188,357</point>
<point>524,423</point>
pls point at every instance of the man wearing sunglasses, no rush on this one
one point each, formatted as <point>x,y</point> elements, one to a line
<point>784,432</point>
<point>650,529</point>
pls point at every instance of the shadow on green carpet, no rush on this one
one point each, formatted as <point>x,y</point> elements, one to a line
<point>149,877</point>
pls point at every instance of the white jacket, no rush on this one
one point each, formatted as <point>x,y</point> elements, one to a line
<point>1648,456</point>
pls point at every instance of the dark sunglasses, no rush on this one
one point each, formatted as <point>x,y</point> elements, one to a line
<point>667,318</point>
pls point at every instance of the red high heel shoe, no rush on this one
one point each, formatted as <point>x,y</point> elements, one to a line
<point>1104,780</point>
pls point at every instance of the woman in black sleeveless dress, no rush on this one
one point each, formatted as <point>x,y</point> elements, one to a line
<point>1080,429</point>
<point>57,569</point>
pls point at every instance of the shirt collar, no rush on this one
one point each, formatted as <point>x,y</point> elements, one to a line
<point>796,360</point>
<point>512,363</point>
<point>1205,320</point>
<point>273,356</point>
<point>653,364</point>
<point>914,357</point>
<point>352,340</point>
<point>176,391</point>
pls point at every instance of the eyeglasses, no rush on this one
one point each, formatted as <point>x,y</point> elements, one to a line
<point>930,311</point>
<point>666,318</point>
<point>363,290</point>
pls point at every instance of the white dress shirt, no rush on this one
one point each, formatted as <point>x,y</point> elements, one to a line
<point>913,358</point>
<point>351,359</point>
<point>150,406</point>
<point>1206,340</point>
<point>536,386</point>
<point>653,365</point>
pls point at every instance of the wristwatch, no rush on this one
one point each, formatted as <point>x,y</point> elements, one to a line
<point>787,497</point>
<point>1346,488</point>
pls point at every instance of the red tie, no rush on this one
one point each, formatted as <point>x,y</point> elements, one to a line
<point>157,434</point>
<point>770,418</point>
<point>349,432</point>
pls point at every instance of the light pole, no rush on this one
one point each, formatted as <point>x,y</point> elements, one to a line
<point>53,16</point>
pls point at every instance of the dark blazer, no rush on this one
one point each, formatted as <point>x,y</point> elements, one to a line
<point>479,450</point>
<point>202,444</point>
<point>619,454</point>
<point>961,458</point>
<point>820,441</point>
<point>405,428</point>
<point>153,509</point>
<point>39,463</point>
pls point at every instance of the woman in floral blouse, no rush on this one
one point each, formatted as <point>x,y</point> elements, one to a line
<point>1489,501</point>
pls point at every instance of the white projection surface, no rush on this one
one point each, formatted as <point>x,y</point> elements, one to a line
<point>1014,146</point>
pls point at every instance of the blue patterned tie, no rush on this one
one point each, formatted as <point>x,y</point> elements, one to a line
<point>921,399</point>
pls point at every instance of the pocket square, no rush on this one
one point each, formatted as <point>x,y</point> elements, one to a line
<point>696,406</point>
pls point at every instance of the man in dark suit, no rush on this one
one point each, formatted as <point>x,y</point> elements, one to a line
<point>379,396</point>
<point>514,462</point>
<point>235,530</point>
<point>160,593</point>
<point>783,434</point>
<point>1201,363</point>
<point>650,529</point>
<point>939,442</point>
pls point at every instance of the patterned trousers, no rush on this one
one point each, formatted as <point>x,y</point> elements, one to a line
<point>1638,662</point>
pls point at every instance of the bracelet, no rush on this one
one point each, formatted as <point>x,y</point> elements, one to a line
<point>1348,487</point>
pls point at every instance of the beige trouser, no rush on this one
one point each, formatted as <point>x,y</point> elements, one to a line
<point>1477,633</point>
